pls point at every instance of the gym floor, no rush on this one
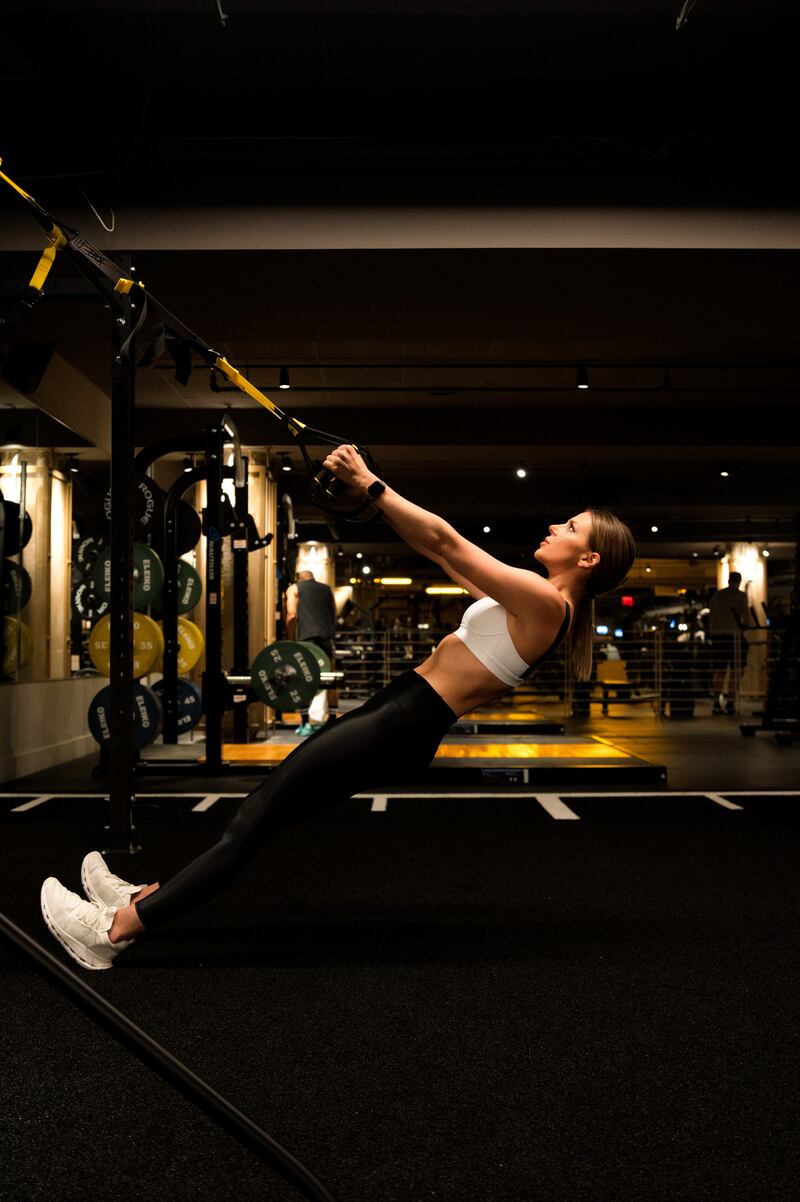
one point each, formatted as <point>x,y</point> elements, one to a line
<point>456,999</point>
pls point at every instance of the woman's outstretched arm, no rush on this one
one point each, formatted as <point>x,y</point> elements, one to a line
<point>426,532</point>
<point>515,588</point>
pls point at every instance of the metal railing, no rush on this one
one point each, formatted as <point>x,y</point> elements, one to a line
<point>671,674</point>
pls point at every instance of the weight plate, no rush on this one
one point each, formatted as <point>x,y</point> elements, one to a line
<point>191,645</point>
<point>17,645</point>
<point>86,553</point>
<point>147,644</point>
<point>146,716</point>
<point>16,587</point>
<point>190,703</point>
<point>88,603</point>
<point>190,590</point>
<point>319,656</point>
<point>13,544</point>
<point>286,675</point>
<point>190,587</point>
<point>190,527</point>
<point>148,575</point>
<point>149,504</point>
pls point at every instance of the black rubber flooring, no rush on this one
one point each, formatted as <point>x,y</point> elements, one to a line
<point>451,1001</point>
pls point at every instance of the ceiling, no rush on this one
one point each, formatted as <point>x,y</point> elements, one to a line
<point>402,101</point>
<point>453,366</point>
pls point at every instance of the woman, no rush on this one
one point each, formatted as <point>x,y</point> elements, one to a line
<point>518,619</point>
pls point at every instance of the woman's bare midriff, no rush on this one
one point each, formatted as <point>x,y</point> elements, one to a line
<point>460,678</point>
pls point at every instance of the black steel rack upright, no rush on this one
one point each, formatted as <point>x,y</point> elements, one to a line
<point>121,830</point>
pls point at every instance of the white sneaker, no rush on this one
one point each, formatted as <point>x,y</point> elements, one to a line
<point>80,926</point>
<point>101,885</point>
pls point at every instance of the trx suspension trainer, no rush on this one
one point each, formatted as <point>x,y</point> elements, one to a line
<point>162,330</point>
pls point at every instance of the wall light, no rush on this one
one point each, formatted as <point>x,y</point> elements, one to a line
<point>284,378</point>
<point>583,378</point>
<point>522,471</point>
<point>445,590</point>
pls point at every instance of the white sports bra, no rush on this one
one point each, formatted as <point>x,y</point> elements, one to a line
<point>484,629</point>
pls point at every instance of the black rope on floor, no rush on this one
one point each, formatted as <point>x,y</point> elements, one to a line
<point>172,1070</point>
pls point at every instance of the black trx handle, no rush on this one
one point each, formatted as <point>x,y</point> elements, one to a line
<point>169,332</point>
<point>326,488</point>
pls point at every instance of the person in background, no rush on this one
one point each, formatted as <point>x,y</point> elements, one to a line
<point>311,618</point>
<point>728,616</point>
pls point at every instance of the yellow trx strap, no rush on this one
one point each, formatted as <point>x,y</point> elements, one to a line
<point>16,187</point>
<point>57,240</point>
<point>124,285</point>
<point>236,377</point>
<point>48,259</point>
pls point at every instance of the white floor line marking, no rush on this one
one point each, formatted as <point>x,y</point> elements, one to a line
<point>31,805</point>
<point>140,798</point>
<point>412,795</point>
<point>695,793</point>
<point>206,804</point>
<point>555,807</point>
<point>721,801</point>
<point>208,801</point>
<point>380,800</point>
<point>616,794</point>
<point>188,793</point>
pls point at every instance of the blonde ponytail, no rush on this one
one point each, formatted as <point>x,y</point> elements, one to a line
<point>581,639</point>
<point>615,545</point>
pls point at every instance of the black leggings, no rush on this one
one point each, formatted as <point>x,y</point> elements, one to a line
<point>389,739</point>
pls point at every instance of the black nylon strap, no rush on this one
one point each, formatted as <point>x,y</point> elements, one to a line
<point>167,332</point>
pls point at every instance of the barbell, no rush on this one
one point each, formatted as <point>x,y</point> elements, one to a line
<point>286,676</point>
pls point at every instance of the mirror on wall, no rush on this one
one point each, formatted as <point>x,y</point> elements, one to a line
<point>51,486</point>
<point>50,532</point>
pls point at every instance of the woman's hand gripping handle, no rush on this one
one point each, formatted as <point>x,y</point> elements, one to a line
<point>426,532</point>
<point>346,465</point>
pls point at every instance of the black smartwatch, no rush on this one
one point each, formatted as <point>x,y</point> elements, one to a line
<point>376,488</point>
